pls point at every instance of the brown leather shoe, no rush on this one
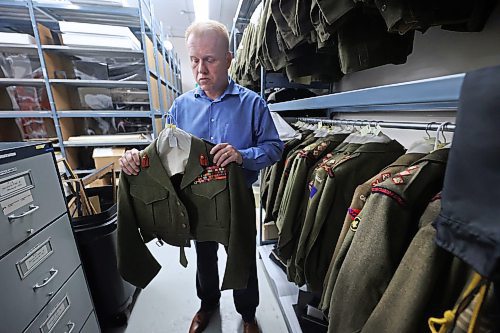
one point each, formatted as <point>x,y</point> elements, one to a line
<point>200,320</point>
<point>251,327</point>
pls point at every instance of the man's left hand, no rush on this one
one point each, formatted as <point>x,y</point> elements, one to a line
<point>224,154</point>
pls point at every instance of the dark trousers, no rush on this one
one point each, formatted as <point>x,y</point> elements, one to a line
<point>207,282</point>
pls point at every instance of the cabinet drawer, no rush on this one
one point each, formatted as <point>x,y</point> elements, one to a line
<point>67,310</point>
<point>30,198</point>
<point>33,272</point>
<point>91,325</point>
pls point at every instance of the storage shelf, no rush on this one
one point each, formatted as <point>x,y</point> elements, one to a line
<point>163,81</point>
<point>21,82</point>
<point>101,83</point>
<point>104,113</point>
<point>25,114</point>
<point>435,93</point>
<point>19,48</point>
<point>89,51</point>
<point>107,143</point>
<point>114,15</point>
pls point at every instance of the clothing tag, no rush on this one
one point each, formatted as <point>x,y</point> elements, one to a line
<point>172,141</point>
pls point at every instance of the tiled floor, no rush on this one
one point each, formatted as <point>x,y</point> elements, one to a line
<point>168,304</point>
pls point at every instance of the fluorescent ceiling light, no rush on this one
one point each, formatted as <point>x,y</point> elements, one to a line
<point>201,9</point>
<point>168,45</point>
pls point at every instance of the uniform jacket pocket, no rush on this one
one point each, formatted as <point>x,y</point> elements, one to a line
<point>210,189</point>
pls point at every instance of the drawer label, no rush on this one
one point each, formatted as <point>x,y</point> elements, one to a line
<point>55,315</point>
<point>11,204</point>
<point>7,171</point>
<point>12,186</point>
<point>33,258</point>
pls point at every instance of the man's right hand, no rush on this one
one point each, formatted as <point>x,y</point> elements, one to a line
<point>130,161</point>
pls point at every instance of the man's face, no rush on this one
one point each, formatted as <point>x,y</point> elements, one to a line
<point>210,61</point>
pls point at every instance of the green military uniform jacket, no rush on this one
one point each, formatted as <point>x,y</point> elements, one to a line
<point>292,209</point>
<point>359,198</point>
<point>274,177</point>
<point>387,224</point>
<point>342,179</point>
<point>207,204</point>
<point>286,172</point>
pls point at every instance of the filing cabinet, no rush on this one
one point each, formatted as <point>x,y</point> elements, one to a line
<point>43,285</point>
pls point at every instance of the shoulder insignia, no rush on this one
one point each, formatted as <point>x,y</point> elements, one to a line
<point>398,180</point>
<point>355,224</point>
<point>314,190</point>
<point>405,173</point>
<point>390,194</point>
<point>353,212</point>
<point>203,160</point>
<point>385,175</point>
<point>145,161</point>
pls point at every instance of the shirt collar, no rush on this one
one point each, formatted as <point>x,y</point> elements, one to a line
<point>231,89</point>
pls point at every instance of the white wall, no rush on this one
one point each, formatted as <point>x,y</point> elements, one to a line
<point>187,78</point>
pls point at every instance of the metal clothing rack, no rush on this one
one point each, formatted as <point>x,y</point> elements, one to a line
<point>430,126</point>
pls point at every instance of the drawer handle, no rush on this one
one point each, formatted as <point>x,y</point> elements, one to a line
<point>71,325</point>
<point>32,209</point>
<point>53,272</point>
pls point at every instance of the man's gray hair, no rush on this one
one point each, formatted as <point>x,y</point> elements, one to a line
<point>209,25</point>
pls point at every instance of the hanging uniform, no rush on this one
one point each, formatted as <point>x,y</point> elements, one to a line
<point>424,283</point>
<point>206,203</point>
<point>349,227</point>
<point>386,226</point>
<point>343,178</point>
<point>291,211</point>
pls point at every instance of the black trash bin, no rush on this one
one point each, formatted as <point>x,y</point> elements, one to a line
<point>96,239</point>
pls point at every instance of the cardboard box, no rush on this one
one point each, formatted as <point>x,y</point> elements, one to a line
<point>269,231</point>
<point>151,55</point>
<point>104,156</point>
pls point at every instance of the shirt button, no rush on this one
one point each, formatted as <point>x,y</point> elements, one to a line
<point>182,214</point>
<point>184,225</point>
<point>212,120</point>
<point>211,138</point>
<point>178,203</point>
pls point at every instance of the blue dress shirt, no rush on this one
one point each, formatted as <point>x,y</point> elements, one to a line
<point>239,117</point>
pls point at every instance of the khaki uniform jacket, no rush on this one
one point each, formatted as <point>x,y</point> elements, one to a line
<point>150,206</point>
<point>312,196</point>
<point>387,224</point>
<point>416,289</point>
<point>286,171</point>
<point>276,170</point>
<point>291,211</point>
<point>344,177</point>
<point>359,198</point>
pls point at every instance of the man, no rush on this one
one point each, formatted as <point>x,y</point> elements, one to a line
<point>238,121</point>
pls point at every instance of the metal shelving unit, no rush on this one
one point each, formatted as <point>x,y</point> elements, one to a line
<point>434,94</point>
<point>162,71</point>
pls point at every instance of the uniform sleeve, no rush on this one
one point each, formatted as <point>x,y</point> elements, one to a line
<point>135,263</point>
<point>268,146</point>
<point>241,247</point>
